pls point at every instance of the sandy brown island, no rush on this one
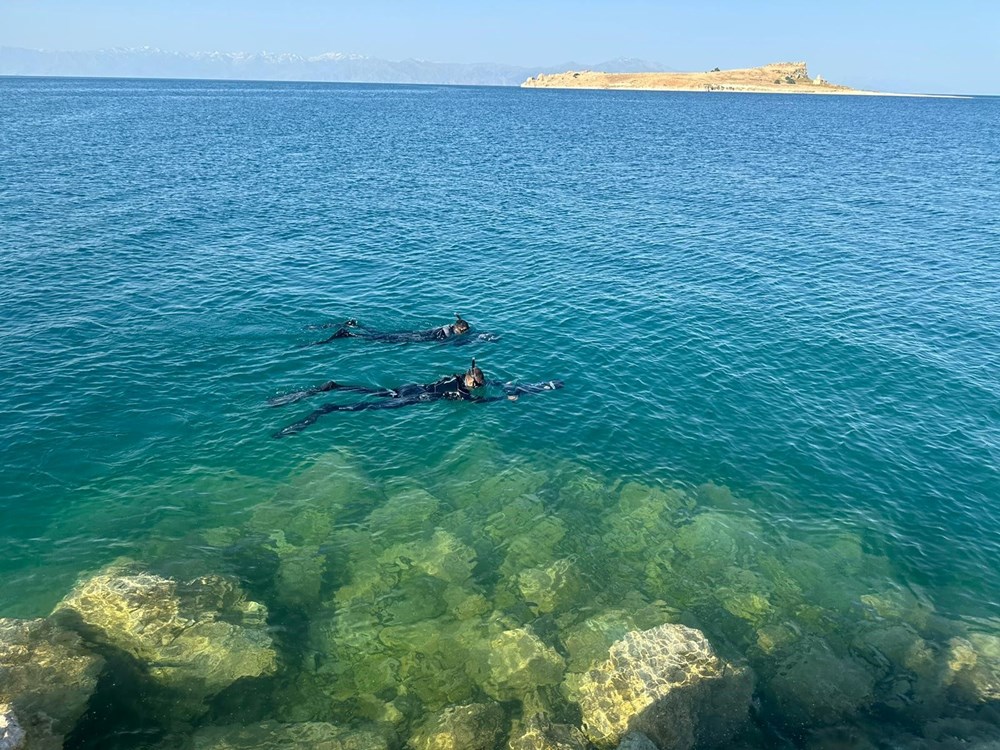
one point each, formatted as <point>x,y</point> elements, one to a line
<point>776,78</point>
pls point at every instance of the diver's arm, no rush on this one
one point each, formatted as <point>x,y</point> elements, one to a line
<point>511,388</point>
<point>462,339</point>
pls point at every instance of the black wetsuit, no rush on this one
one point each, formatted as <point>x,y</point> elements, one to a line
<point>352,330</point>
<point>450,387</point>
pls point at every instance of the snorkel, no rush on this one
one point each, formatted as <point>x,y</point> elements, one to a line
<point>475,375</point>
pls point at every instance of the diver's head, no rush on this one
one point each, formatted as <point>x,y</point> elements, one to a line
<point>459,326</point>
<point>474,377</point>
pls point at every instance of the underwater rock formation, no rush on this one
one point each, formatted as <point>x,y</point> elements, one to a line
<point>520,662</point>
<point>195,638</point>
<point>538,733</point>
<point>974,667</point>
<point>636,741</point>
<point>668,683</point>
<point>815,687</point>
<point>46,677</point>
<point>271,735</point>
<point>11,734</point>
<point>550,588</point>
<point>477,726</point>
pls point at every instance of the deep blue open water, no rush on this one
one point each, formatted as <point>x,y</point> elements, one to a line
<point>791,303</point>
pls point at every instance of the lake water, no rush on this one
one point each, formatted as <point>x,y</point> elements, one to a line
<point>777,319</point>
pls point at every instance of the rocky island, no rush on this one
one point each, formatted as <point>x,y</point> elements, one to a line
<point>776,78</point>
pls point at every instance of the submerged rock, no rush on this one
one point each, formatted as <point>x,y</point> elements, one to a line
<point>668,683</point>
<point>520,663</point>
<point>477,726</point>
<point>538,733</point>
<point>46,677</point>
<point>973,667</point>
<point>404,515</point>
<point>636,741</point>
<point>588,642</point>
<point>11,734</point>
<point>815,687</point>
<point>196,638</point>
<point>271,735</point>
<point>550,588</point>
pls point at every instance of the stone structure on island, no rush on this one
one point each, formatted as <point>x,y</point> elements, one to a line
<point>667,683</point>
<point>192,638</point>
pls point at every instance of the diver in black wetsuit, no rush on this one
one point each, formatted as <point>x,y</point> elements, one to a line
<point>454,332</point>
<point>465,387</point>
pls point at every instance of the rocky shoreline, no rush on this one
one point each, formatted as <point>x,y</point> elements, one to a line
<point>484,616</point>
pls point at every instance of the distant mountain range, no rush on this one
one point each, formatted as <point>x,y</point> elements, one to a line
<point>148,62</point>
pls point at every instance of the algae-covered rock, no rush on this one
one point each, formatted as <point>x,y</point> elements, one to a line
<point>815,687</point>
<point>538,733</point>
<point>745,595</point>
<point>270,735</point>
<point>477,726</point>
<point>643,519</point>
<point>442,556</point>
<point>11,733</point>
<point>587,493</point>
<point>714,542</point>
<point>520,662</point>
<point>494,490</point>
<point>550,588</point>
<point>899,645</point>
<point>196,637</point>
<point>587,643</point>
<point>433,658</point>
<point>405,515</point>
<point>526,533</point>
<point>974,667</point>
<point>46,679</point>
<point>636,741</point>
<point>668,683</point>
<point>301,569</point>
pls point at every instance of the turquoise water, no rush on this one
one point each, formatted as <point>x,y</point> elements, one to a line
<point>791,303</point>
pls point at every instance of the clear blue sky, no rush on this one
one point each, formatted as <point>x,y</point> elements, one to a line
<point>899,45</point>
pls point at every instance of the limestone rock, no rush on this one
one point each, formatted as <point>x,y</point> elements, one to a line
<point>11,734</point>
<point>538,733</point>
<point>973,667</point>
<point>46,677</point>
<point>197,637</point>
<point>550,588</point>
<point>442,556</point>
<point>477,726</point>
<point>270,735</point>
<point>668,683</point>
<point>520,662</point>
<point>587,643</point>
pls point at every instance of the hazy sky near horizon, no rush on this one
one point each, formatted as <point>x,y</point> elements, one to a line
<point>904,46</point>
